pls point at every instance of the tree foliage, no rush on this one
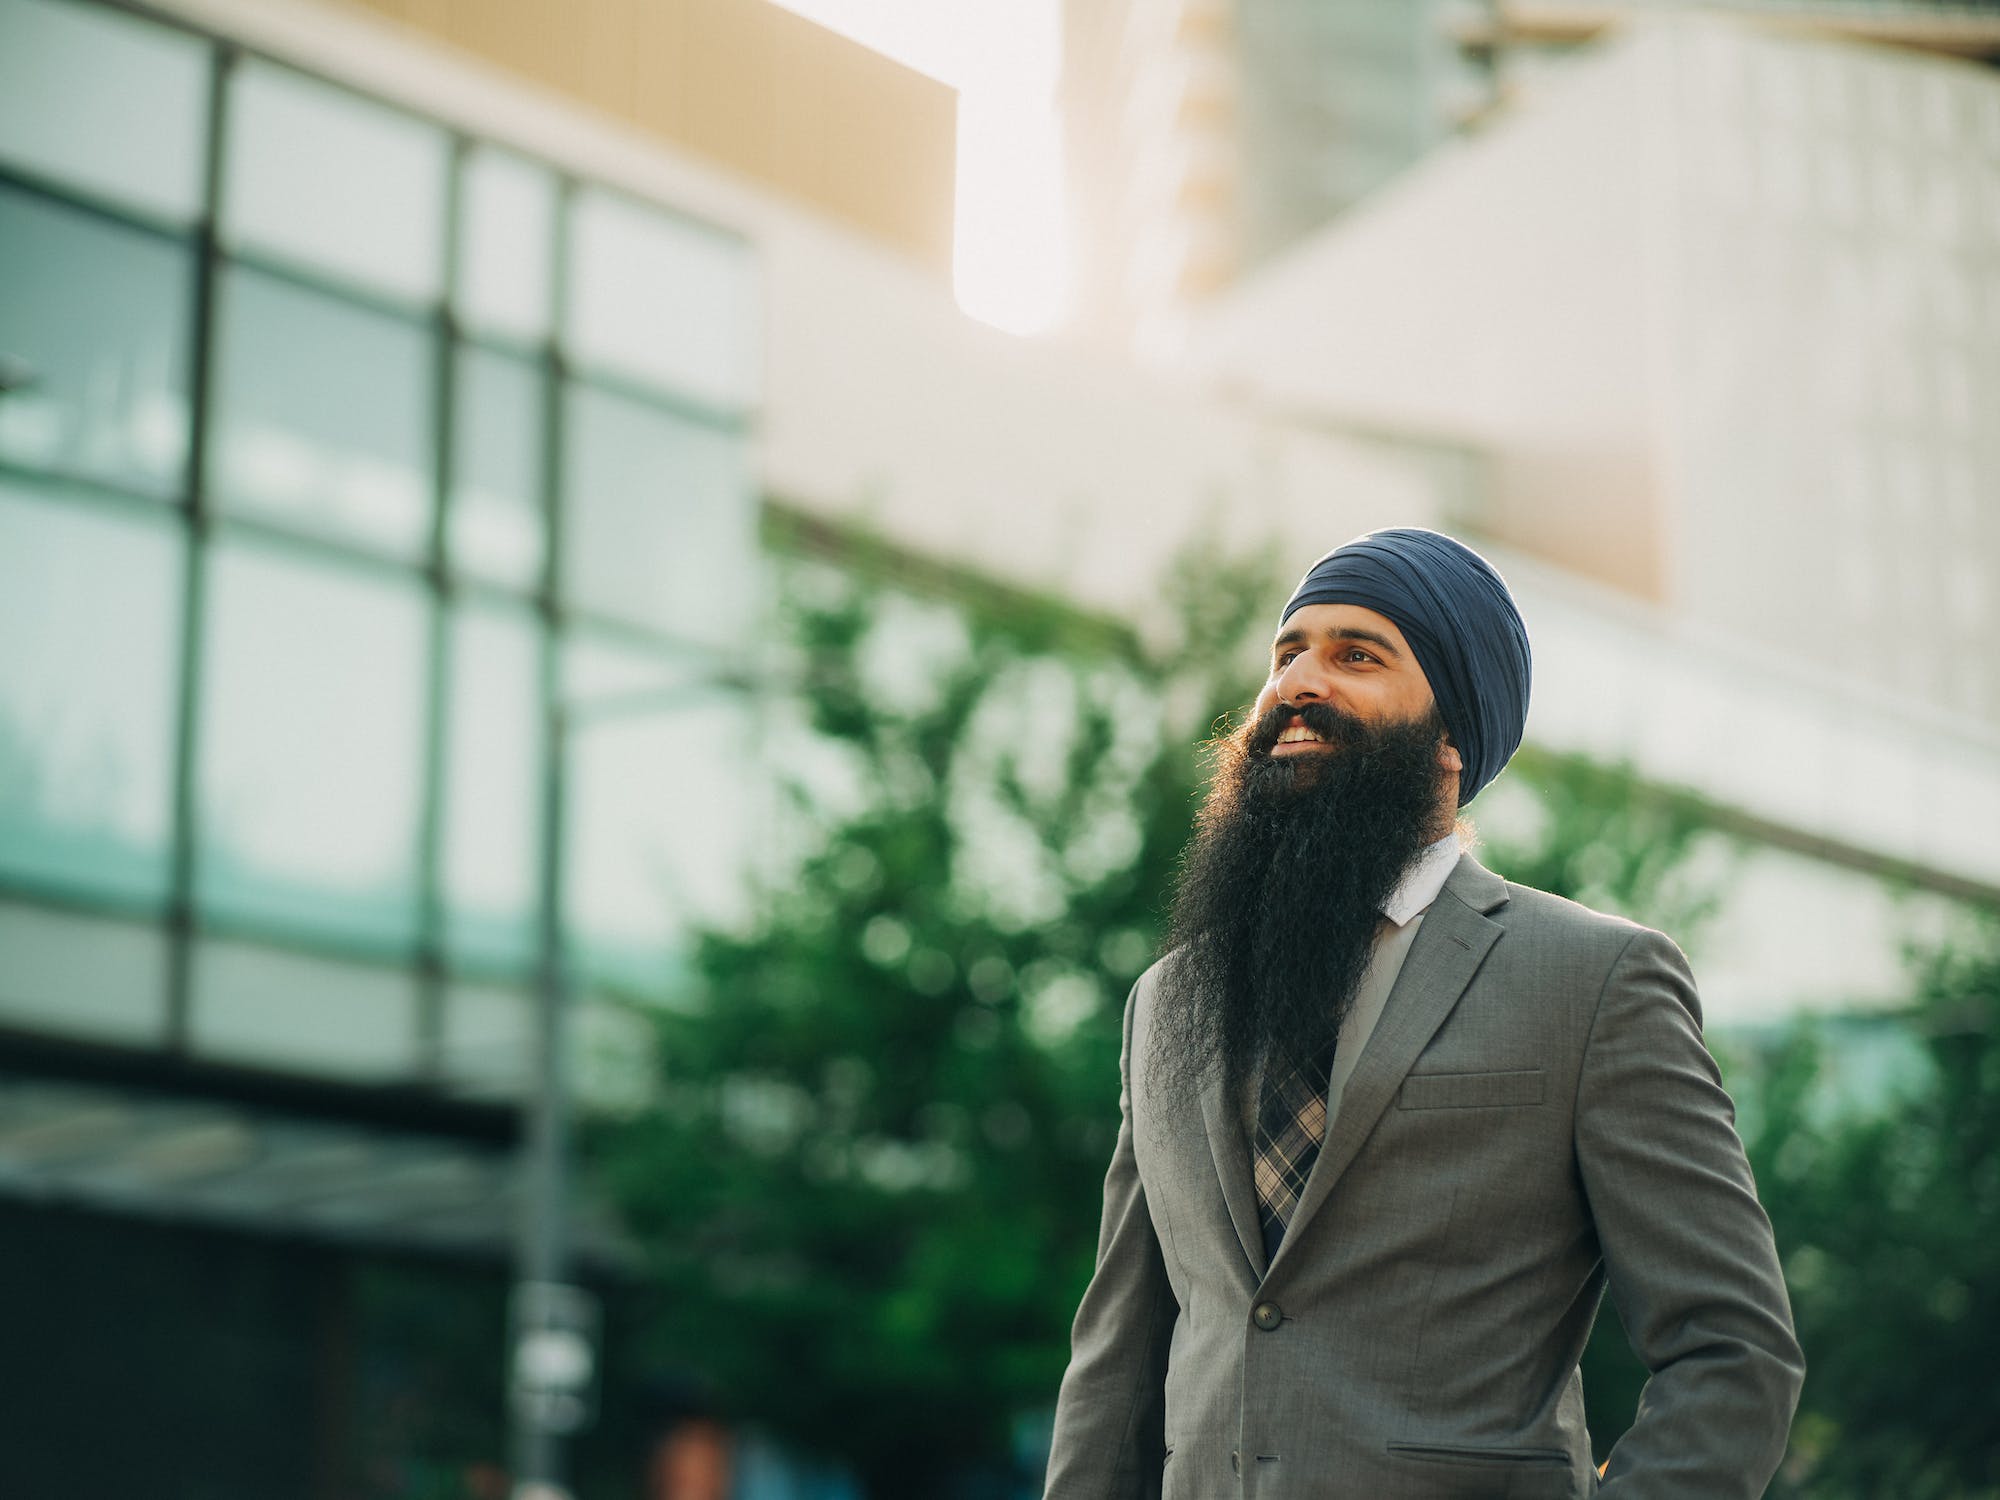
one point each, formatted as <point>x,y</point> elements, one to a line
<point>1887,1211</point>
<point>869,1187</point>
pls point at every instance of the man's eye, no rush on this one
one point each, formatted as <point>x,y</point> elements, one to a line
<point>1355,653</point>
<point>1285,658</point>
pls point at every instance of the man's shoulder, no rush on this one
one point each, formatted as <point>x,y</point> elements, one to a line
<point>1526,903</point>
<point>1568,924</point>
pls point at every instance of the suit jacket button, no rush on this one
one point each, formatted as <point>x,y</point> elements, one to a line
<point>1236,1460</point>
<point>1266,1316</point>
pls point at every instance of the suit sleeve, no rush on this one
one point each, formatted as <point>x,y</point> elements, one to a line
<point>1110,1415</point>
<point>1691,1263</point>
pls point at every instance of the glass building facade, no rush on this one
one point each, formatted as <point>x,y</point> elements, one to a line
<point>335,447</point>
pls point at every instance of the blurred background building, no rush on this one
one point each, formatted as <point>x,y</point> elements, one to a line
<point>1209,136</point>
<point>347,424</point>
<point>376,373</point>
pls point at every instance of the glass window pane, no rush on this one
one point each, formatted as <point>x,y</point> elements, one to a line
<point>323,415</point>
<point>270,1009</point>
<point>90,605</point>
<point>492,787</point>
<point>80,976</point>
<point>97,316</point>
<point>495,520</point>
<point>326,178</point>
<point>662,300</point>
<point>311,746</point>
<point>106,101</point>
<point>507,240</point>
<point>660,523</point>
<point>489,1034</point>
<point>659,806</point>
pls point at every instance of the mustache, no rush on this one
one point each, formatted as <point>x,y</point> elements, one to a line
<point>1331,724</point>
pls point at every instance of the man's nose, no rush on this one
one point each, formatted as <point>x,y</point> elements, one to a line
<point>1304,681</point>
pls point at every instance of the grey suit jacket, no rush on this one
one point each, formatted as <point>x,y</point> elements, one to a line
<point>1535,1116</point>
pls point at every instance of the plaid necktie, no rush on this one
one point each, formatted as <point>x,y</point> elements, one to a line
<point>1291,1124</point>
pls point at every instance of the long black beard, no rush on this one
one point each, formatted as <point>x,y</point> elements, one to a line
<point>1280,891</point>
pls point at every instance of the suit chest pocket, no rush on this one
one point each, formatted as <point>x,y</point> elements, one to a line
<point>1511,1089</point>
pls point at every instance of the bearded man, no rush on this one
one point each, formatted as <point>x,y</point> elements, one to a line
<point>1393,1124</point>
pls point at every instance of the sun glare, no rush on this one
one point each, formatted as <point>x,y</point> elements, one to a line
<point>1011,257</point>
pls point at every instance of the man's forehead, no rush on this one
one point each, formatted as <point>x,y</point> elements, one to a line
<point>1351,621</point>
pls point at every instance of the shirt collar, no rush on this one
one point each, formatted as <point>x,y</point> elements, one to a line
<point>1423,880</point>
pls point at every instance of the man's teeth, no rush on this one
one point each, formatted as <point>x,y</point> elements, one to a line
<point>1298,734</point>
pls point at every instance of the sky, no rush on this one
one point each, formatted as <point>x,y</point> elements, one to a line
<point>1003,56</point>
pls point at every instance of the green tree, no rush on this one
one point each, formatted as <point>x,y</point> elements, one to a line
<point>1887,1210</point>
<point>868,1188</point>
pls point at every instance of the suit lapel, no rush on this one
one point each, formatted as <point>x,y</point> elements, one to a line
<point>1232,1165</point>
<point>1447,952</point>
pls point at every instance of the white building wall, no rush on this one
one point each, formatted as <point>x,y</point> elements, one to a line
<point>1691,704</point>
<point>1039,464</point>
<point>1799,934</point>
<point>1834,346</point>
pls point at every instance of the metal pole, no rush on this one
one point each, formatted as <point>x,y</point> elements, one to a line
<point>540,1418</point>
<point>543,1249</point>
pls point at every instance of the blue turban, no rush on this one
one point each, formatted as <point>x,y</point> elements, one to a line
<point>1461,623</point>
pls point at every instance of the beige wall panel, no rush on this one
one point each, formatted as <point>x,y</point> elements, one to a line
<point>612,61</point>
<point>433,16</point>
<point>728,77</point>
<point>662,39</point>
<point>539,41</point>
<point>868,149</point>
<point>745,83</point>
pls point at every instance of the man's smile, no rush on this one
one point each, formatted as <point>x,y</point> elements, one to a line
<point>1296,739</point>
